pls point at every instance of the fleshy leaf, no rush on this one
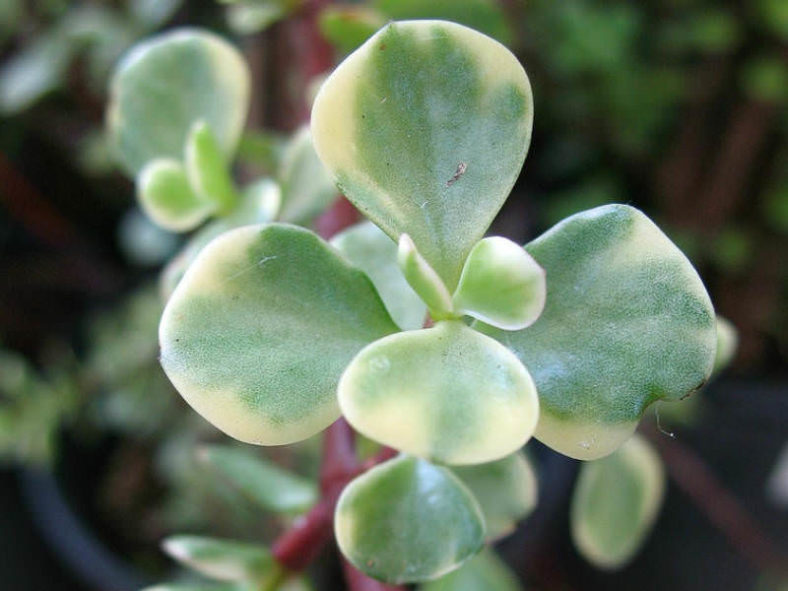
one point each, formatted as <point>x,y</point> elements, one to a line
<point>206,168</point>
<point>262,481</point>
<point>506,491</point>
<point>260,328</point>
<point>199,587</point>
<point>346,27</point>
<point>307,189</point>
<point>368,248</point>
<point>425,128</point>
<point>408,520</point>
<point>164,85</point>
<point>259,204</point>
<point>501,284</point>
<point>615,503</point>
<point>165,195</point>
<point>627,322</point>
<point>423,279</point>
<point>484,572</point>
<point>446,393</point>
<point>224,560</point>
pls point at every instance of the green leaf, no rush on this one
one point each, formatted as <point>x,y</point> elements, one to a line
<point>627,322</point>
<point>269,485</point>
<point>164,85</point>
<point>408,520</point>
<point>207,169</point>
<point>484,572</point>
<point>501,284</point>
<point>259,204</point>
<point>245,18</point>
<point>485,16</point>
<point>347,27</point>
<point>423,279</point>
<point>199,587</point>
<point>224,560</point>
<point>260,328</point>
<point>165,195</point>
<point>367,247</point>
<point>446,393</point>
<point>506,490</point>
<point>307,189</point>
<point>151,14</point>
<point>36,70</point>
<point>727,343</point>
<point>425,128</point>
<point>615,504</point>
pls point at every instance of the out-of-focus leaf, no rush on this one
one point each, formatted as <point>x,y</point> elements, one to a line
<point>164,193</point>
<point>766,79</point>
<point>727,343</point>
<point>408,521</point>
<point>506,490</point>
<point>307,189</point>
<point>347,27</point>
<point>447,393</point>
<point>152,14</point>
<point>615,503</point>
<point>269,485</point>
<point>484,572</point>
<point>423,279</point>
<point>164,85</point>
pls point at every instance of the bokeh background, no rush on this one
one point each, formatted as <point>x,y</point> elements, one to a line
<point>675,106</point>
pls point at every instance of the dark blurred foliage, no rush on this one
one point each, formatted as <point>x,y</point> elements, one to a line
<point>675,106</point>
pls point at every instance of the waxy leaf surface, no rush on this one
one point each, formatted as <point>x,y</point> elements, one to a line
<point>615,503</point>
<point>371,250</point>
<point>447,393</point>
<point>260,328</point>
<point>408,520</point>
<point>425,128</point>
<point>501,284</point>
<point>164,193</point>
<point>261,480</point>
<point>627,322</point>
<point>506,490</point>
<point>484,572</point>
<point>164,85</point>
<point>224,560</point>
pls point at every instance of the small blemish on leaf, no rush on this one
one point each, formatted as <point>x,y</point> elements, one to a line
<point>461,168</point>
<point>382,46</point>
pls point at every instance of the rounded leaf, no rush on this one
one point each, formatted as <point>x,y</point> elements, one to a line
<point>501,284</point>
<point>727,343</point>
<point>615,503</point>
<point>166,84</point>
<point>207,170</point>
<point>165,195</point>
<point>408,520</point>
<point>260,328</point>
<point>627,322</point>
<point>368,248</point>
<point>446,393</point>
<point>484,572</point>
<point>425,128</point>
<point>506,490</point>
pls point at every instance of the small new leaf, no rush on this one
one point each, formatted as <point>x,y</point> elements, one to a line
<point>207,170</point>
<point>407,521</point>
<point>262,481</point>
<point>501,284</point>
<point>165,195</point>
